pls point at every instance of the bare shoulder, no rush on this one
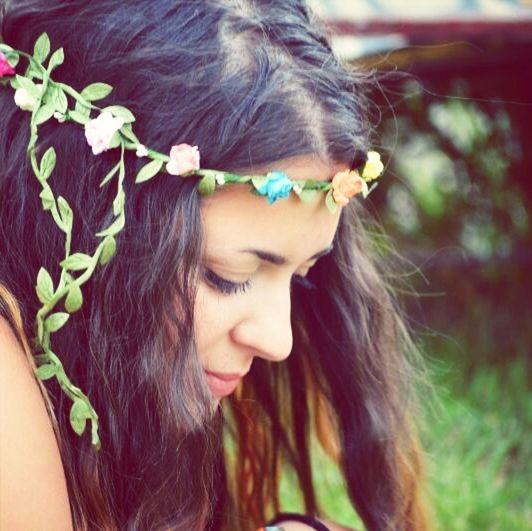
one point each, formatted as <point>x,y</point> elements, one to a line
<point>33,492</point>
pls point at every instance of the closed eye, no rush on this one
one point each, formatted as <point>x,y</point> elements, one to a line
<point>228,287</point>
<point>222,285</point>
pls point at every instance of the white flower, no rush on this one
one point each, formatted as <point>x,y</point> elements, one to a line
<point>141,151</point>
<point>297,189</point>
<point>220,179</point>
<point>100,131</point>
<point>25,100</point>
<point>59,117</point>
<point>183,158</point>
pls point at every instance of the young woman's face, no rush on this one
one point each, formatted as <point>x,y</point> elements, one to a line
<point>253,252</point>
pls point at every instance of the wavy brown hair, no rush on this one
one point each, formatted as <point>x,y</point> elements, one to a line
<point>250,82</point>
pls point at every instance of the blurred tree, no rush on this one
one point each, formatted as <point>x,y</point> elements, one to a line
<point>457,202</point>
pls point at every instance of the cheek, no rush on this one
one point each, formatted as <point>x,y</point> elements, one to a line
<point>212,320</point>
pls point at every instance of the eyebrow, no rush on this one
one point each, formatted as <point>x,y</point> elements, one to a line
<point>281,260</point>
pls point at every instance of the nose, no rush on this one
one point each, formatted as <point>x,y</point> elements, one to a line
<point>265,328</point>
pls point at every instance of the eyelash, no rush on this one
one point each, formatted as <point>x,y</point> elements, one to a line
<point>232,288</point>
<point>226,286</point>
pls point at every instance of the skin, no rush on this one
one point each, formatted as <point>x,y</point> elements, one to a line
<point>253,320</point>
<point>233,328</point>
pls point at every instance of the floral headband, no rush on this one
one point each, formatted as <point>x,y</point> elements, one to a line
<point>112,129</point>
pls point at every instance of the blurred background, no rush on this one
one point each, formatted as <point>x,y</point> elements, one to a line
<point>455,133</point>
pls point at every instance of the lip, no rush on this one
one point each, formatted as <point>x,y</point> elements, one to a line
<point>222,384</point>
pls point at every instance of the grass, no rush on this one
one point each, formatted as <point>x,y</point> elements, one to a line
<point>479,452</point>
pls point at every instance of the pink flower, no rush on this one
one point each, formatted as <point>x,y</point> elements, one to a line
<point>100,131</point>
<point>5,68</point>
<point>183,158</point>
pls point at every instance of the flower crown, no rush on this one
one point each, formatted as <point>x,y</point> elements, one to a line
<point>112,129</point>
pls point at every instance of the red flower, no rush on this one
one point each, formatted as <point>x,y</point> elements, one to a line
<point>5,68</point>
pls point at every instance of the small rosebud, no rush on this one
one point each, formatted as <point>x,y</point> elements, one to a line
<point>99,132</point>
<point>183,158</point>
<point>373,167</point>
<point>141,151</point>
<point>5,68</point>
<point>346,184</point>
<point>60,117</point>
<point>24,100</point>
<point>220,179</point>
<point>278,186</point>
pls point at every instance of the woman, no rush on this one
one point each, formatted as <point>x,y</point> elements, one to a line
<point>177,338</point>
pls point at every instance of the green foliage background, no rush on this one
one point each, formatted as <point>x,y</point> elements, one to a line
<point>458,203</point>
<point>456,199</point>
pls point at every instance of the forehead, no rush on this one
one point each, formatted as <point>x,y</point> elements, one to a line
<point>234,218</point>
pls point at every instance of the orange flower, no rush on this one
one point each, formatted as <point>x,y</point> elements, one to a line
<point>346,184</point>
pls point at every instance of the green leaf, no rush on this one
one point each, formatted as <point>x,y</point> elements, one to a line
<point>207,185</point>
<point>115,227</point>
<point>96,91</point>
<point>330,202</point>
<point>115,141</point>
<point>118,203</point>
<point>78,117</point>
<point>44,114</point>
<point>74,299</point>
<point>55,321</point>
<point>45,286</point>
<point>79,413</point>
<point>307,195</point>
<point>77,262</point>
<point>32,71</point>
<point>47,198</point>
<point>58,58</point>
<point>121,112</point>
<point>47,164</point>
<point>259,181</point>
<point>127,131</point>
<point>148,171</point>
<point>55,96</point>
<point>95,438</point>
<point>108,250</point>
<point>42,48</point>
<point>44,372</point>
<point>365,190</point>
<point>29,85</point>
<point>110,174</point>
<point>83,107</point>
<point>13,81</point>
<point>33,139</point>
<point>66,213</point>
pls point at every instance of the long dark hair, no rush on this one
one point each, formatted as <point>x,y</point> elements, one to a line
<point>250,83</point>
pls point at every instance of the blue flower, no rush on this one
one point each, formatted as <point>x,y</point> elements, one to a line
<point>276,187</point>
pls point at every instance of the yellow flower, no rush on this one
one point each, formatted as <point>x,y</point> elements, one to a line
<point>373,167</point>
<point>346,184</point>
